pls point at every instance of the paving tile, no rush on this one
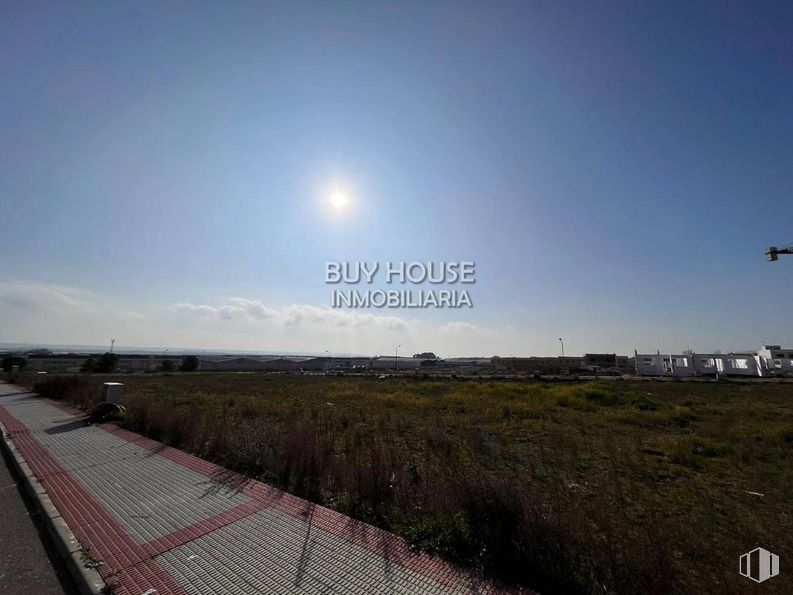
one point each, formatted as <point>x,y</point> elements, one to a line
<point>273,552</point>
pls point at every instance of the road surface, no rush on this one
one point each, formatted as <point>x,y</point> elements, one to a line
<point>29,562</point>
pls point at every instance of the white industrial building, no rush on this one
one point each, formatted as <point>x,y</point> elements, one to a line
<point>777,359</point>
<point>771,360</point>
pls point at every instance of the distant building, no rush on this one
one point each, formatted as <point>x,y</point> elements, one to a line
<point>600,360</point>
<point>252,363</point>
<point>70,362</point>
<point>540,365</point>
<point>73,362</point>
<point>245,364</point>
<point>768,361</point>
<point>625,364</point>
<point>386,362</point>
<point>777,359</point>
<point>771,360</point>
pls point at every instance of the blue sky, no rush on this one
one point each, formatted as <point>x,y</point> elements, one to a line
<point>615,169</point>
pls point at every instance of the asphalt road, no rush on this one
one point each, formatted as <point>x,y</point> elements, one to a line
<point>29,562</point>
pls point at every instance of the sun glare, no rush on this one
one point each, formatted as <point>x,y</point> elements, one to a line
<point>338,199</point>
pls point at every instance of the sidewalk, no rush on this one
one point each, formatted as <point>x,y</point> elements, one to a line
<point>160,520</point>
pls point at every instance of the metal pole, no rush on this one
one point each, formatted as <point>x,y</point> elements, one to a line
<point>562,342</point>
<point>396,361</point>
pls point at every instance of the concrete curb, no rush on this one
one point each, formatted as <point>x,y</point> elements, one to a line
<point>88,580</point>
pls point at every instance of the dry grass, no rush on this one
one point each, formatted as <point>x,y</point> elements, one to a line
<point>618,486</point>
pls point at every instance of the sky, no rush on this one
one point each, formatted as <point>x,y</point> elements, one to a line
<point>614,169</point>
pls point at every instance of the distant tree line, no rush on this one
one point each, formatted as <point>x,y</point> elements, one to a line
<point>106,363</point>
<point>9,361</point>
<point>189,363</point>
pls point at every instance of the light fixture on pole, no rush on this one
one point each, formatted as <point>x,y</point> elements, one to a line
<point>396,361</point>
<point>562,342</point>
<point>772,253</point>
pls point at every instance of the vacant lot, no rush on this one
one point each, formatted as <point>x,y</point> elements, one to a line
<point>616,486</point>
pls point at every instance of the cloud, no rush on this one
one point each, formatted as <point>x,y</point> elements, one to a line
<point>295,314</point>
<point>237,308</point>
<point>456,327</point>
<point>300,314</point>
<point>253,308</point>
<point>192,309</point>
<point>41,296</point>
<point>52,313</point>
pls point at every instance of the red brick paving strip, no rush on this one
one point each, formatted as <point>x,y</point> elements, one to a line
<point>96,530</point>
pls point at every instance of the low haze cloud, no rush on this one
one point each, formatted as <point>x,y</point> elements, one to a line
<point>464,327</point>
<point>41,296</point>
<point>296,314</point>
<point>51,313</point>
<point>237,308</point>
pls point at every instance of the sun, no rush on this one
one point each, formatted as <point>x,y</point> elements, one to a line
<point>339,200</point>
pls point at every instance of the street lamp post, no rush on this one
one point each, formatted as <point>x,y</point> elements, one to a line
<point>562,342</point>
<point>396,361</point>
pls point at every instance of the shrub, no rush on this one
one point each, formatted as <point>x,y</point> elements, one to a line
<point>189,364</point>
<point>604,397</point>
<point>9,361</point>
<point>107,363</point>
